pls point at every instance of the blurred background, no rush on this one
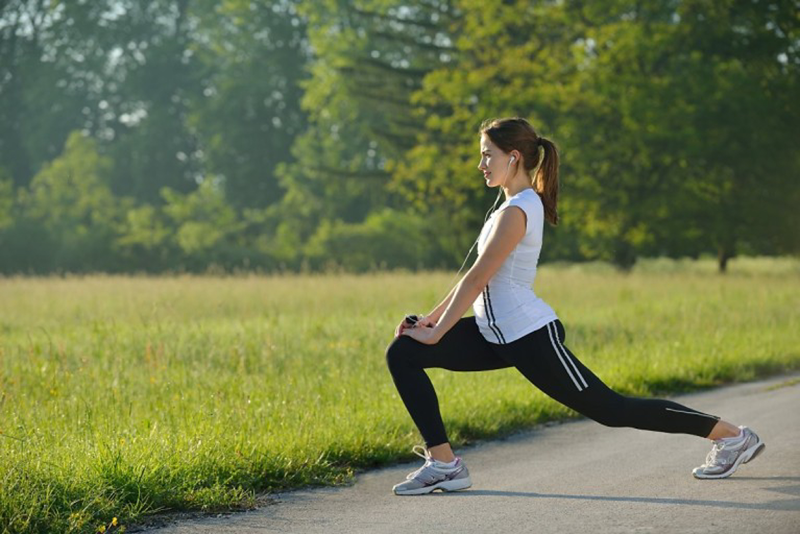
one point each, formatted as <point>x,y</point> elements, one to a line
<point>223,136</point>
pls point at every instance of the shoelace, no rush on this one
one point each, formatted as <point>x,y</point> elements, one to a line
<point>426,455</point>
<point>719,454</point>
<point>711,458</point>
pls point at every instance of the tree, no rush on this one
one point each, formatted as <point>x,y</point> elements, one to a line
<point>44,86</point>
<point>254,56</point>
<point>740,65</point>
<point>652,105</point>
<point>157,76</point>
<point>507,59</point>
<point>206,226</point>
<point>368,57</point>
<point>71,203</point>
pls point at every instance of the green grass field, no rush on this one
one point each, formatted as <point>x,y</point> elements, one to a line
<point>122,396</point>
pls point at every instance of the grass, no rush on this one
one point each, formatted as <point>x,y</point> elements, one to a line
<point>123,396</point>
<point>785,384</point>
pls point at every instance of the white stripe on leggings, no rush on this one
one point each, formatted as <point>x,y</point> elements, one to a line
<point>569,359</point>
<point>701,414</point>
<point>555,348</point>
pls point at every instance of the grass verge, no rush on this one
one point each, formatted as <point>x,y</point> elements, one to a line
<point>122,397</point>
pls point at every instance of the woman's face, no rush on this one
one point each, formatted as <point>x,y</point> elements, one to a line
<point>494,163</point>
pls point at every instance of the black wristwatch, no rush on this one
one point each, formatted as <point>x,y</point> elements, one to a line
<point>412,319</point>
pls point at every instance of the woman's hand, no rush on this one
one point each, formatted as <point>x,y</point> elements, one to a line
<point>401,327</point>
<point>426,321</point>
<point>422,321</point>
<point>429,335</point>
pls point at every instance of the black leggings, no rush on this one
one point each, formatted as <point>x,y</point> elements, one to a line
<point>542,358</point>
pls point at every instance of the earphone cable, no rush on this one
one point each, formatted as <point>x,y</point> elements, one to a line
<point>486,218</point>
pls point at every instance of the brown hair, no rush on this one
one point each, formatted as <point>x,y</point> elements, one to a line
<point>516,133</point>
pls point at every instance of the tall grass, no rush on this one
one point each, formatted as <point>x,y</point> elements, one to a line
<point>121,396</point>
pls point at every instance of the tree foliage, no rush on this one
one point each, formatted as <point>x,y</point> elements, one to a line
<point>181,134</point>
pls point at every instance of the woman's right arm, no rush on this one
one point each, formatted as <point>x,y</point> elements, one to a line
<point>439,310</point>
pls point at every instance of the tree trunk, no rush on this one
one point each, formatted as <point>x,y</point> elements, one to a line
<point>723,255</point>
<point>624,256</point>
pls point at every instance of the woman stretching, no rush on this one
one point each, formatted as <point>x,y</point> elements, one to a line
<point>514,327</point>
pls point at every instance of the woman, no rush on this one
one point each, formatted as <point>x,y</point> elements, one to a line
<point>514,327</point>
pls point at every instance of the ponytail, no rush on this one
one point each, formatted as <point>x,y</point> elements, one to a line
<point>545,182</point>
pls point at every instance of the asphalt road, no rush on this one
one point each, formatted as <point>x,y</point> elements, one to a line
<point>576,477</point>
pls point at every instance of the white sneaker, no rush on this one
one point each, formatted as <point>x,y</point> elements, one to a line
<point>726,455</point>
<point>434,475</point>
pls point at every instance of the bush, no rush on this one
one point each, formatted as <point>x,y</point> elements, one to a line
<point>387,238</point>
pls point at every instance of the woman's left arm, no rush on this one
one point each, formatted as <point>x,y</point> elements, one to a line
<point>506,234</point>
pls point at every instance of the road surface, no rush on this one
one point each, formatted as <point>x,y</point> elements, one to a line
<point>576,477</point>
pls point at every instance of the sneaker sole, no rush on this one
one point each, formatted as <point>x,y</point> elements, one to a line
<point>447,485</point>
<point>746,456</point>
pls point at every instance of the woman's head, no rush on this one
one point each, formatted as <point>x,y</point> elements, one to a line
<point>517,139</point>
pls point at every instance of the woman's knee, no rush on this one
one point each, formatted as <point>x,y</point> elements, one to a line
<point>610,411</point>
<point>398,352</point>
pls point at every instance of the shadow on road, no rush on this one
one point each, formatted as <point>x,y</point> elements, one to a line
<point>777,505</point>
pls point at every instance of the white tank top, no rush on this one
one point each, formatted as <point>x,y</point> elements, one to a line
<point>508,309</point>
